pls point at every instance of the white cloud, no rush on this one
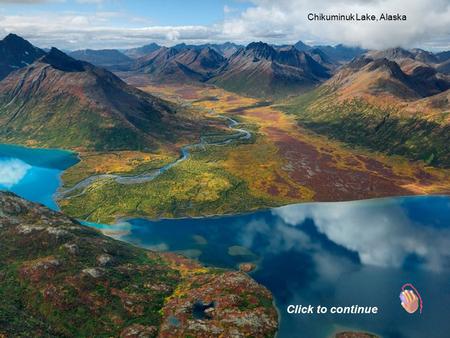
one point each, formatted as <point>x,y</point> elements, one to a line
<point>428,20</point>
<point>12,171</point>
<point>275,21</point>
<point>74,30</point>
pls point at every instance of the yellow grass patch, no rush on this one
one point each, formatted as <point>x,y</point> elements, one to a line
<point>95,163</point>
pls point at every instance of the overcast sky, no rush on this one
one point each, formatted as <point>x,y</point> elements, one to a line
<point>79,24</point>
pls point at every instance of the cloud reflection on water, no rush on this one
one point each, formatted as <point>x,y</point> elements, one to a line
<point>12,171</point>
<point>379,231</point>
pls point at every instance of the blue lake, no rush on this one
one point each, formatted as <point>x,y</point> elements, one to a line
<point>33,173</point>
<point>329,254</point>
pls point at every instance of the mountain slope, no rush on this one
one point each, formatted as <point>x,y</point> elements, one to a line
<point>16,53</point>
<point>373,103</point>
<point>180,64</point>
<point>62,102</point>
<point>225,49</point>
<point>261,70</point>
<point>374,77</point>
<point>59,278</point>
<point>409,60</point>
<point>323,59</point>
<point>104,57</point>
<point>340,53</point>
<point>302,47</point>
<point>136,53</point>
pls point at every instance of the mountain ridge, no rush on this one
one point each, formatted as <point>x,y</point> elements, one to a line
<point>178,64</point>
<point>81,105</point>
<point>261,70</point>
<point>16,53</point>
<point>374,103</point>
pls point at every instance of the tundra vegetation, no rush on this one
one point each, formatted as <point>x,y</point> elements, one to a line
<point>283,162</point>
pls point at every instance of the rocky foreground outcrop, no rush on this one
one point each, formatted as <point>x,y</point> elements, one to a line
<point>59,278</point>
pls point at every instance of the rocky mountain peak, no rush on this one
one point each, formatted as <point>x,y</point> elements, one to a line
<point>261,50</point>
<point>384,64</point>
<point>16,53</point>
<point>61,61</point>
<point>301,46</point>
<point>11,37</point>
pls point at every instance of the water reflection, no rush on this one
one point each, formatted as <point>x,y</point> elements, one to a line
<point>356,253</point>
<point>33,173</point>
<point>12,171</point>
<point>382,232</point>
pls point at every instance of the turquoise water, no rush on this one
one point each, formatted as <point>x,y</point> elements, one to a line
<point>329,254</point>
<point>33,173</point>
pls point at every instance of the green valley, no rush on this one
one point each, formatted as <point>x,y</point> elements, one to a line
<point>262,171</point>
<point>384,128</point>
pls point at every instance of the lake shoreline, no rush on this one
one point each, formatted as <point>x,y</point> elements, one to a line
<point>301,241</point>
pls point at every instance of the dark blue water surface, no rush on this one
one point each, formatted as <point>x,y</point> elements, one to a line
<point>329,254</point>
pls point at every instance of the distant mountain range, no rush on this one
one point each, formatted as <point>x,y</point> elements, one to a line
<point>340,53</point>
<point>411,59</point>
<point>104,58</point>
<point>225,49</point>
<point>394,100</point>
<point>180,64</point>
<point>261,70</point>
<point>258,69</point>
<point>138,52</point>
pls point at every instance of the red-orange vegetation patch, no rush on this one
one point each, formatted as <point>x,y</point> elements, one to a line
<point>273,190</point>
<point>378,167</point>
<point>319,171</point>
<point>268,115</point>
<point>56,296</point>
<point>229,292</point>
<point>180,261</point>
<point>231,98</point>
<point>424,177</point>
<point>188,93</point>
<point>40,269</point>
<point>85,296</point>
<point>350,161</point>
<point>288,189</point>
<point>132,303</point>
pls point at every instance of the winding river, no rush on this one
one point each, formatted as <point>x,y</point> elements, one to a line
<point>80,187</point>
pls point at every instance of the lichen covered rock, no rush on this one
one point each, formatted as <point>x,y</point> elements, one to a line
<point>60,278</point>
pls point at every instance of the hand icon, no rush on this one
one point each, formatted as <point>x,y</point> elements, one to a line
<point>410,302</point>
